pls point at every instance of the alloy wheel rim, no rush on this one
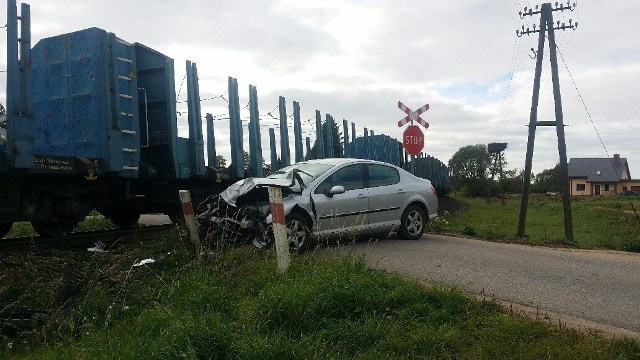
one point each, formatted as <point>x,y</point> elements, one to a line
<point>414,222</point>
<point>296,234</point>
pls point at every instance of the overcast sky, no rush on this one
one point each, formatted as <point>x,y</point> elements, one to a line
<point>356,59</point>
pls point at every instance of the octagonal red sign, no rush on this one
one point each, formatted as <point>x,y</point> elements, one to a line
<point>413,139</point>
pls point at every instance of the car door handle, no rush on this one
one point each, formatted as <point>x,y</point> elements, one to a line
<point>362,196</point>
<point>400,191</point>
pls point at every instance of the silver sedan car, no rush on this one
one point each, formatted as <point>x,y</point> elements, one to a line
<point>336,197</point>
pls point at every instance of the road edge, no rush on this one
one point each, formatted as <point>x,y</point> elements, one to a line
<point>562,321</point>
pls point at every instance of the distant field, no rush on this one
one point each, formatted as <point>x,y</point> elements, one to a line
<point>598,223</point>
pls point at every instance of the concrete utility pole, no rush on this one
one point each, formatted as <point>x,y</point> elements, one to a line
<point>547,25</point>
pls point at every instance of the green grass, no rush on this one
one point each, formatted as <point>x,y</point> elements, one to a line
<point>94,221</point>
<point>238,306</point>
<point>607,223</point>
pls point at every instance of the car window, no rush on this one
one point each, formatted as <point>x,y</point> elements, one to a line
<point>351,177</point>
<point>380,175</point>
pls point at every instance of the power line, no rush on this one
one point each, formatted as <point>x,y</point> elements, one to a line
<point>180,88</point>
<point>582,101</point>
<point>593,124</point>
<point>507,97</point>
<point>209,99</point>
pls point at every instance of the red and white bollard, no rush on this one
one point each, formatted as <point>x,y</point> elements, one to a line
<point>189,218</point>
<point>279,228</point>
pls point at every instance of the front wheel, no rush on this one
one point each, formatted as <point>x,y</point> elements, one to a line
<point>298,234</point>
<point>413,223</point>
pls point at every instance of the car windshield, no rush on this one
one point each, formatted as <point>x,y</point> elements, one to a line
<point>307,172</point>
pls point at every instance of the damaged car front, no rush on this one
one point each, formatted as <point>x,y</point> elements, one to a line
<point>327,198</point>
<point>242,214</point>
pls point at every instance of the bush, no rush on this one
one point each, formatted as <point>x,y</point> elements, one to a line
<point>469,231</point>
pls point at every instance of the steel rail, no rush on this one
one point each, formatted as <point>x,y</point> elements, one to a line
<point>85,238</point>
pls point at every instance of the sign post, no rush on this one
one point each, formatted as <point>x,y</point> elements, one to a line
<point>279,228</point>
<point>413,138</point>
<point>189,219</point>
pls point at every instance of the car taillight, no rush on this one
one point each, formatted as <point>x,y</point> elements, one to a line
<point>433,190</point>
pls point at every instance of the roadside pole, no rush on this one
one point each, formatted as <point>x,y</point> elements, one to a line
<point>279,228</point>
<point>189,218</point>
<point>413,164</point>
<point>547,25</point>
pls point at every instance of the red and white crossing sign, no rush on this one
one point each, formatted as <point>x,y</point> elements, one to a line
<point>413,115</point>
<point>413,140</point>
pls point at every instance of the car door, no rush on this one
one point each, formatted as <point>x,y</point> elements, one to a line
<point>345,212</point>
<point>386,196</point>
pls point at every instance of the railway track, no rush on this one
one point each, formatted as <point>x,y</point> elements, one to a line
<point>84,239</point>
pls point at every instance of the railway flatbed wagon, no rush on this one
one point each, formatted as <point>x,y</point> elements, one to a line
<point>91,124</point>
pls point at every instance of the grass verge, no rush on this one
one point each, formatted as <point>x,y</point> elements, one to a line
<point>237,306</point>
<point>598,223</point>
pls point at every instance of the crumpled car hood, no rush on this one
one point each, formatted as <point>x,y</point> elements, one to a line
<point>244,186</point>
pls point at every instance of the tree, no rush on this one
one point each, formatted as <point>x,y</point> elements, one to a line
<point>221,162</point>
<point>547,181</point>
<point>266,169</point>
<point>246,160</point>
<point>470,162</point>
<point>469,168</point>
<point>512,181</point>
<point>336,139</point>
<point>3,112</point>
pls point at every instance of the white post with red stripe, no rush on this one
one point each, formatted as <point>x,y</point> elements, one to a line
<point>189,218</point>
<point>279,228</point>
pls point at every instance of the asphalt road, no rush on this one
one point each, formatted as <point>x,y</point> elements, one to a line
<point>598,286</point>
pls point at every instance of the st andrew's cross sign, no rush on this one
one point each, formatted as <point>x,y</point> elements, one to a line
<point>412,137</point>
<point>413,115</point>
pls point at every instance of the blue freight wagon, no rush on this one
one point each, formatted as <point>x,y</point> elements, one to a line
<point>91,124</point>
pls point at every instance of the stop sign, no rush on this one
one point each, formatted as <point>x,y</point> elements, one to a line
<point>413,140</point>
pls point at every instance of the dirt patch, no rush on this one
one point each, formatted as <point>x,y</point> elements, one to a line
<point>51,281</point>
<point>40,279</point>
<point>451,205</point>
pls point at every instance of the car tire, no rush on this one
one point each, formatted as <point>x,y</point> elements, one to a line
<point>298,234</point>
<point>412,223</point>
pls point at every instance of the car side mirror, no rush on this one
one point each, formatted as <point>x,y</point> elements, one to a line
<point>337,189</point>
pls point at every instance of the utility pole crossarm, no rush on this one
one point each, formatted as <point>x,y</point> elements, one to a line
<point>559,26</point>
<point>559,7</point>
